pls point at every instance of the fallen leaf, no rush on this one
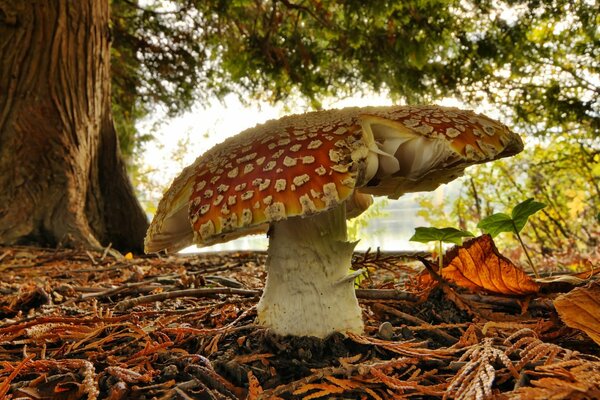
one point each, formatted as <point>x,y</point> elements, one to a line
<point>478,265</point>
<point>580,309</point>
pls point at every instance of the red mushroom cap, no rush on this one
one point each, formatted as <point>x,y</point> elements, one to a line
<point>305,164</point>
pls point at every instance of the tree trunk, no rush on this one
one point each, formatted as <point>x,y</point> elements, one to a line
<point>62,179</point>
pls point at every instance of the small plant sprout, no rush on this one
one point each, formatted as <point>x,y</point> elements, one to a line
<point>501,222</point>
<point>441,235</point>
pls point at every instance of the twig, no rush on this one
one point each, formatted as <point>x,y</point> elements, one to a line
<point>386,294</point>
<point>126,304</point>
<point>105,252</point>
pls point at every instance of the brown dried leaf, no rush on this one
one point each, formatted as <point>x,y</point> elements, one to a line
<point>533,350</point>
<point>478,265</point>
<point>475,379</point>
<point>568,380</point>
<point>580,309</point>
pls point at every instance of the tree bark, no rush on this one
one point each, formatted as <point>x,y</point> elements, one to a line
<point>62,179</point>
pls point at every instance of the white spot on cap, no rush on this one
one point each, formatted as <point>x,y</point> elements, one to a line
<point>229,223</point>
<point>452,132</point>
<point>283,142</point>
<point>334,156</point>
<point>348,182</point>
<point>214,179</point>
<point>233,173</point>
<point>471,153</point>
<point>340,168</point>
<point>308,160</point>
<point>315,144</point>
<point>296,147</point>
<point>222,188</point>
<point>321,170</point>
<point>307,204</point>
<point>248,168</point>
<point>247,195</point>
<point>341,130</point>
<point>200,185</point>
<point>218,200</point>
<point>289,161</point>
<point>264,184</point>
<point>280,184</point>
<point>489,130</point>
<point>277,154</point>
<point>240,187</point>
<point>246,216</point>
<point>225,209</point>
<point>270,165</point>
<point>424,129</point>
<point>246,158</point>
<point>207,230</point>
<point>268,200</point>
<point>489,149</point>
<point>208,193</point>
<point>271,146</point>
<point>231,200</point>
<point>275,211</point>
<point>204,209</point>
<point>411,123</point>
<point>260,160</point>
<point>301,179</point>
<point>330,194</point>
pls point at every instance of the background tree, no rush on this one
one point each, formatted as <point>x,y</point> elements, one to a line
<point>537,61</point>
<point>62,180</point>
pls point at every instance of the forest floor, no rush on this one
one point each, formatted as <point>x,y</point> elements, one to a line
<point>95,325</point>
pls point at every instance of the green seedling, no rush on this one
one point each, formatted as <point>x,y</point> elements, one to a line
<point>501,222</point>
<point>441,235</point>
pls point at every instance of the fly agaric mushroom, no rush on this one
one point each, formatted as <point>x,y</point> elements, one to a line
<point>298,178</point>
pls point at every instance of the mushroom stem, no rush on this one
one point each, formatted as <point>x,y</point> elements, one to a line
<point>308,292</point>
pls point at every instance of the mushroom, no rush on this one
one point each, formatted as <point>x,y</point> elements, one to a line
<point>299,177</point>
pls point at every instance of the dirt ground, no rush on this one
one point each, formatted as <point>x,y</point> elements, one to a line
<point>95,325</point>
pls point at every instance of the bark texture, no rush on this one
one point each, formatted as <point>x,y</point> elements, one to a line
<point>62,178</point>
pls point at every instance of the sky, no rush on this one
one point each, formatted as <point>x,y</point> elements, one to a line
<point>204,126</point>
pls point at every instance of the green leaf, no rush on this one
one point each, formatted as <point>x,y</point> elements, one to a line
<point>522,212</point>
<point>496,224</point>
<point>448,235</point>
<point>500,222</point>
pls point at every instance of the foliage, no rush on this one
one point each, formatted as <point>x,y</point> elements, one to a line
<point>562,172</point>
<point>500,222</point>
<point>536,60</point>
<point>441,235</point>
<point>447,235</point>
